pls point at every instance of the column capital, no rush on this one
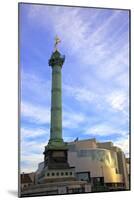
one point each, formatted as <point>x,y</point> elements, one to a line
<point>56,59</point>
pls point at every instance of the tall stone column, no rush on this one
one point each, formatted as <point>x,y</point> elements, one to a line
<point>56,166</point>
<point>56,62</point>
<point>56,150</point>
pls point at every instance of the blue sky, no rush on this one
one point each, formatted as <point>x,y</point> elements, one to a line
<point>95,76</point>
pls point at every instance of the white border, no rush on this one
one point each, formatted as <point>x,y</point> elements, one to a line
<point>8,100</point>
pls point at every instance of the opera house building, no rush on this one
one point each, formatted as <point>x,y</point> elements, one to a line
<point>102,165</point>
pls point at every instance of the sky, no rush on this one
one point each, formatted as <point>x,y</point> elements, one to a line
<point>95,76</point>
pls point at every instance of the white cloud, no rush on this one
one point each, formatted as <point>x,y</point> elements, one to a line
<point>114,64</point>
<point>101,49</point>
<point>122,81</point>
<point>31,154</point>
<point>118,100</point>
<point>72,119</point>
<point>100,46</point>
<point>90,46</point>
<point>33,132</point>
<point>34,86</point>
<point>33,146</point>
<point>113,101</point>
<point>123,143</point>
<point>68,138</point>
<point>81,94</point>
<point>30,162</point>
<point>36,114</point>
<point>41,115</point>
<point>60,19</point>
<point>103,130</point>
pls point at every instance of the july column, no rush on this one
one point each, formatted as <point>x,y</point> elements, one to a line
<point>56,62</point>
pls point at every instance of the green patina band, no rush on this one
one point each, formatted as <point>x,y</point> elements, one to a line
<point>56,144</point>
<point>56,108</point>
<point>56,90</point>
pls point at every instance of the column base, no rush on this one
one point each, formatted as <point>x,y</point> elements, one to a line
<point>56,144</point>
<point>56,158</point>
<point>56,175</point>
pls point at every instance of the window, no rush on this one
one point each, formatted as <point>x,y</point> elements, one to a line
<point>98,181</point>
<point>83,176</point>
<point>70,173</point>
<point>53,173</point>
<point>57,174</point>
<point>107,157</point>
<point>48,174</point>
<point>62,173</point>
<point>66,173</point>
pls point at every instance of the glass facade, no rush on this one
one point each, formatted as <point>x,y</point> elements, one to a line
<point>107,157</point>
<point>83,176</point>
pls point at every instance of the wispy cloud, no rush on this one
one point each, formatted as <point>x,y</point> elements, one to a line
<point>41,115</point>
<point>30,162</point>
<point>31,154</point>
<point>80,93</point>
<point>118,100</point>
<point>35,113</point>
<point>104,129</point>
<point>72,120</point>
<point>34,87</point>
<point>33,132</point>
<point>91,45</point>
<point>123,143</point>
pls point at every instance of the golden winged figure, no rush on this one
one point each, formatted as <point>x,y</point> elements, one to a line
<point>57,40</point>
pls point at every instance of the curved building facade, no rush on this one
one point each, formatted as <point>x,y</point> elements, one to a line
<point>99,163</point>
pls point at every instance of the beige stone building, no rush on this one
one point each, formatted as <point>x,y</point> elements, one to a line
<point>99,163</point>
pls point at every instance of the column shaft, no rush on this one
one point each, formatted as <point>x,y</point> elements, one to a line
<point>56,105</point>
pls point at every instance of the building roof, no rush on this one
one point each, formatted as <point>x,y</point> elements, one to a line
<point>25,178</point>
